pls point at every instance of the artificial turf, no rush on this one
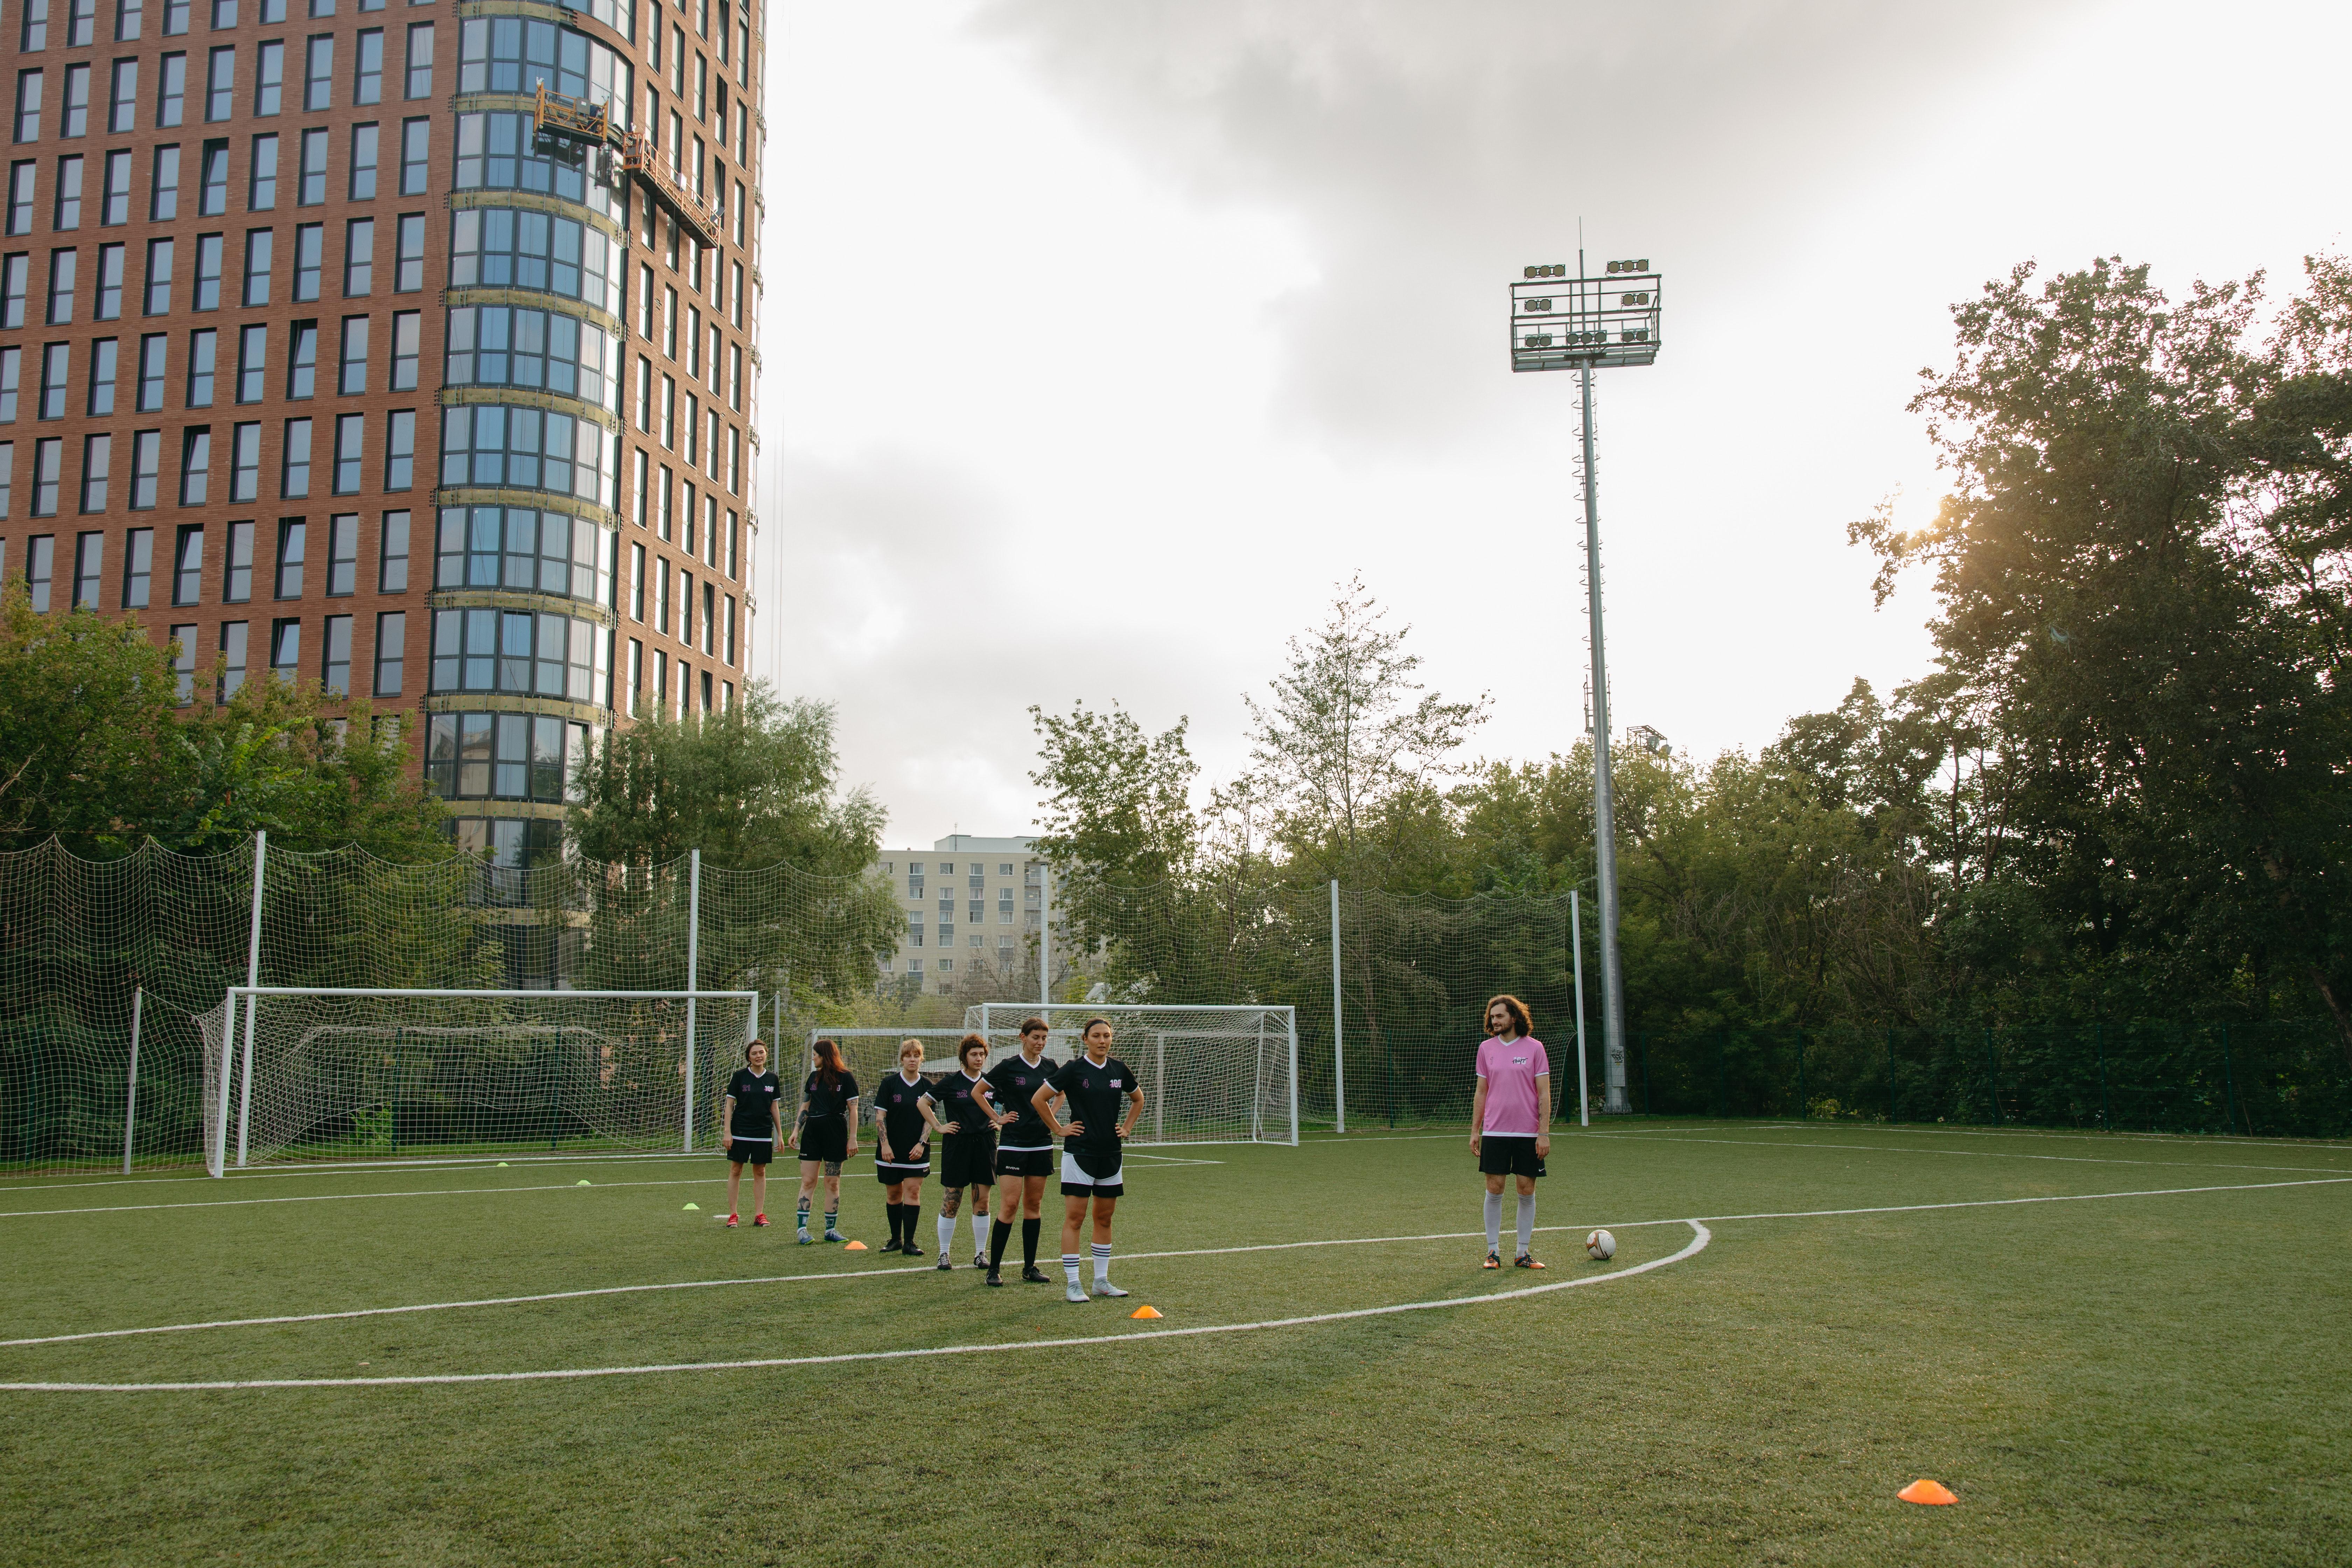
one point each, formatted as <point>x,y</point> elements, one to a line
<point>2129,1381</point>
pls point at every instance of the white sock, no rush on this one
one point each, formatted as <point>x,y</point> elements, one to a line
<point>980,1233</point>
<point>1526,1223</point>
<point>1070,1266</point>
<point>1102,1262</point>
<point>947,1235</point>
<point>1493,1222</point>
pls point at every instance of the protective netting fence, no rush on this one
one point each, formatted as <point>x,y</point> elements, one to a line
<point>79,939</point>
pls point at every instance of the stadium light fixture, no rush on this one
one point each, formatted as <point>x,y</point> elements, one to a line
<point>1583,324</point>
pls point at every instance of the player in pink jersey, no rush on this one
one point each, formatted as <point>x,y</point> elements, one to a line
<point>1510,1120</point>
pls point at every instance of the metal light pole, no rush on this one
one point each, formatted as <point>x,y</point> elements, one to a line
<point>1581,324</point>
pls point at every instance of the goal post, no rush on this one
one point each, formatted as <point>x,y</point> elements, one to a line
<point>1210,1073</point>
<point>295,1073</point>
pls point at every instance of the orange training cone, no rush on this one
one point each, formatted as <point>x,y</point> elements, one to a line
<point>855,1246</point>
<point>1145,1313</point>
<point>1923,1491</point>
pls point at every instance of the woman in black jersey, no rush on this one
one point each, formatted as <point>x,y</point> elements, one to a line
<point>1024,1150</point>
<point>902,1149</point>
<point>825,1133</point>
<point>754,1116</point>
<point>1092,1086</point>
<point>967,1147</point>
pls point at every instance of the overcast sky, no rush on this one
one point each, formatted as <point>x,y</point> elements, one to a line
<point>1102,339</point>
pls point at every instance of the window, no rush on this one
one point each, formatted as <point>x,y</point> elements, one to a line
<point>318,74</point>
<point>294,463</point>
<point>268,79</point>
<point>61,288</point>
<point>184,663</point>
<point>163,197</point>
<point>310,252</point>
<point>212,192</point>
<point>126,20</point>
<point>420,60</point>
<point>661,504</point>
<point>108,307</point>
<point>28,106</point>
<point>154,355</point>
<point>49,471</point>
<point>735,376</point>
<point>261,193</point>
<point>292,540</point>
<point>517,547</point>
<point>56,372</point>
<point>90,564</point>
<point>252,364</point>
<point>257,246</point>
<point>517,651</point>
<point>176,19</point>
<point>286,650</point>
<point>24,180</point>
<point>12,371</point>
<point>220,84</point>
<point>67,214</point>
<point>97,458</point>
<point>74,120</point>
<point>646,302</point>
<point>138,567</point>
<point>209,256</point>
<point>172,92</point>
<point>407,331</point>
<point>359,258</point>
<point>669,322</point>
<point>36,34</point>
<point>399,452</point>
<point>302,360</point>
<point>40,563</point>
<point>146,470</point>
<point>416,151</point>
<point>636,581</point>
<point>637,674</point>
<point>669,412</point>
<point>409,275</point>
<point>662,598</point>
<point>245,462</point>
<point>637,509</point>
<point>353,379</point>
<point>335,669</point>
<point>644,393</point>
<point>391,637</point>
<point>363,155</point>
<point>188,567</point>
<point>102,355</point>
<point>202,345</point>
<point>114,202</point>
<point>159,278</point>
<point>232,655</point>
<point>350,442</point>
<point>735,278</point>
<point>693,343</point>
<point>391,565</point>
<point>195,466</point>
<point>313,191</point>
<point>225,14</point>
<point>517,346</point>
<point>367,80</point>
<point>236,581</point>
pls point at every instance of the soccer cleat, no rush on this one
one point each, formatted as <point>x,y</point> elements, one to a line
<point>1526,1261</point>
<point>995,1278</point>
<point>944,1263</point>
<point>730,1222</point>
<point>979,1260</point>
<point>1493,1260</point>
<point>759,1221</point>
<point>1104,1287</point>
<point>1076,1295</point>
<point>1033,1275</point>
<point>833,1233</point>
<point>910,1250</point>
<point>806,1240</point>
<point>891,1244</point>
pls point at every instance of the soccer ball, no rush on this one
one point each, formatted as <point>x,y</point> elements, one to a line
<point>1601,1246</point>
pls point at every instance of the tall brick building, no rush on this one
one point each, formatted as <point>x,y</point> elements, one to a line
<point>401,345</point>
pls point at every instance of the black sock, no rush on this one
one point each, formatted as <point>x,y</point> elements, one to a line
<point>1029,1229</point>
<point>996,1241</point>
<point>892,1210</point>
<point>900,1231</point>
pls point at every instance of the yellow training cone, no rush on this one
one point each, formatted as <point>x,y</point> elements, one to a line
<point>1923,1491</point>
<point>1145,1313</point>
<point>581,1183</point>
<point>855,1246</point>
<point>697,1207</point>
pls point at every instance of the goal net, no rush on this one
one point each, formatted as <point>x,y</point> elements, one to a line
<point>294,1074</point>
<point>1210,1074</point>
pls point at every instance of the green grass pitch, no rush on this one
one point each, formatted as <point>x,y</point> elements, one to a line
<point>2153,1379</point>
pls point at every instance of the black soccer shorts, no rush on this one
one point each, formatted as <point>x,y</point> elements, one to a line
<point>1509,1156</point>
<point>968,1159</point>
<point>742,1151</point>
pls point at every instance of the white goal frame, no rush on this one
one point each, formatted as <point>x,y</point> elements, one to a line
<point>248,997</point>
<point>988,1019</point>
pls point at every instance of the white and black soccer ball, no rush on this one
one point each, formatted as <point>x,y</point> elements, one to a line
<point>1601,1246</point>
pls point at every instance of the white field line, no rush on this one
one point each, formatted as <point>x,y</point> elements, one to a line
<point>1700,1237</point>
<point>909,1273</point>
<point>1957,1154</point>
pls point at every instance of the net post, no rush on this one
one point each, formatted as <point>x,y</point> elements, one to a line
<point>1044,934</point>
<point>1159,1083</point>
<point>1339,1036</point>
<point>1290,1020</point>
<point>252,977</point>
<point>219,1154</point>
<point>130,1089</point>
<point>693,958</point>
<point>1576,949</point>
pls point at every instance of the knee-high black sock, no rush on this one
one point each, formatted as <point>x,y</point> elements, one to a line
<point>996,1241</point>
<point>892,1210</point>
<point>900,1231</point>
<point>1029,1229</point>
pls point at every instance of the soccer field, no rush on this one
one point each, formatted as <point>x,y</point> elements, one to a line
<point>2158,1372</point>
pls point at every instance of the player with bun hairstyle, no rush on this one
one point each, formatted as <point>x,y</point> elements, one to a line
<point>967,1147</point>
<point>1025,1149</point>
<point>1510,1120</point>
<point>1093,1085</point>
<point>751,1118</point>
<point>902,1148</point>
<point>825,1133</point>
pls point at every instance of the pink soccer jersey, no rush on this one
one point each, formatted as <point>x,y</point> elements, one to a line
<point>1513,1108</point>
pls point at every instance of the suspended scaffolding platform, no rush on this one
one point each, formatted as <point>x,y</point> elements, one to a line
<point>577,120</point>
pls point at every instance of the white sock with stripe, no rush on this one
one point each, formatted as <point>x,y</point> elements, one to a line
<point>1070,1269</point>
<point>1102,1262</point>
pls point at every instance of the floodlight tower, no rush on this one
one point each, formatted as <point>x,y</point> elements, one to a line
<point>1580,323</point>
